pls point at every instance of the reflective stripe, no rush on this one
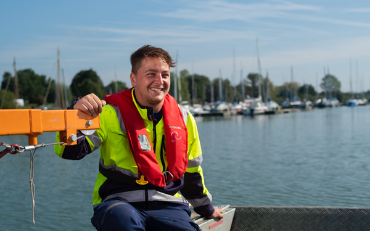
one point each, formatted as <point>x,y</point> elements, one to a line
<point>195,162</point>
<point>119,117</point>
<point>184,113</point>
<point>115,168</point>
<point>95,140</point>
<point>139,196</point>
<point>201,201</point>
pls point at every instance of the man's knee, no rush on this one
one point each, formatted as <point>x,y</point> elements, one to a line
<point>117,215</point>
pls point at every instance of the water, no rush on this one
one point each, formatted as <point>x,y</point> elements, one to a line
<point>312,158</point>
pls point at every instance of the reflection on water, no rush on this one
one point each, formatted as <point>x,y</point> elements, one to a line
<point>312,158</point>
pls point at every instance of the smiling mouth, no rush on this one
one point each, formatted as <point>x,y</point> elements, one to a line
<point>156,89</point>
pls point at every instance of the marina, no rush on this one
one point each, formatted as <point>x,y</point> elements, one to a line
<point>305,159</point>
<point>258,108</point>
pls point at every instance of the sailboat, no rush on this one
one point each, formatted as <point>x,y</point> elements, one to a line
<point>256,105</point>
<point>17,100</point>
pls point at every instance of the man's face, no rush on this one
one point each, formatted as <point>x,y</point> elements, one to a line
<point>151,82</point>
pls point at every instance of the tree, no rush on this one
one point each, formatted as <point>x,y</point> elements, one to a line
<point>31,86</point>
<point>86,82</point>
<point>8,101</point>
<point>228,90</point>
<point>185,96</point>
<point>112,86</point>
<point>217,94</point>
<point>201,88</point>
<point>330,83</point>
<point>310,90</point>
<point>255,79</point>
<point>6,77</point>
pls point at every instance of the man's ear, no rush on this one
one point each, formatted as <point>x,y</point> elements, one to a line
<point>133,79</point>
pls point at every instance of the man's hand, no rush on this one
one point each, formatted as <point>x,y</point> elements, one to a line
<point>217,214</point>
<point>90,104</point>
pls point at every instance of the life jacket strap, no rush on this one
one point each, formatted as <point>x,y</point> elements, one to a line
<point>166,173</point>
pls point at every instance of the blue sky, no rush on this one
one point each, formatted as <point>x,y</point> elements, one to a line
<point>307,35</point>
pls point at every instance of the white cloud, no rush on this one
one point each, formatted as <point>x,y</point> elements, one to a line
<point>222,10</point>
<point>359,10</point>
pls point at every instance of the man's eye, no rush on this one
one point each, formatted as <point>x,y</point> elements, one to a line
<point>152,74</point>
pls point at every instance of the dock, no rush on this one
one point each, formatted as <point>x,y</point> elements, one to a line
<point>211,113</point>
<point>281,111</point>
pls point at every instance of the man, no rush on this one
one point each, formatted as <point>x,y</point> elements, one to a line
<point>149,152</point>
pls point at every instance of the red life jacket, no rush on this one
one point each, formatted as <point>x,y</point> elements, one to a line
<point>175,133</point>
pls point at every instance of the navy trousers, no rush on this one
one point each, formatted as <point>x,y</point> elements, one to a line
<point>117,215</point>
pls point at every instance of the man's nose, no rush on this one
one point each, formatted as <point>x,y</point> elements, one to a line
<point>159,78</point>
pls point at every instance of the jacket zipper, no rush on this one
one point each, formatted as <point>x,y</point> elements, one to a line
<point>154,147</point>
<point>155,136</point>
<point>146,199</point>
<point>162,155</point>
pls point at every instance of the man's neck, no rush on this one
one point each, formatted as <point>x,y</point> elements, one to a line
<point>156,108</point>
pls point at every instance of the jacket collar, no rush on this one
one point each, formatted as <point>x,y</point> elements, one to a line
<point>146,113</point>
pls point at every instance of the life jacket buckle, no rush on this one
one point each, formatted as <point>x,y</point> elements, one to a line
<point>165,173</point>
<point>141,181</point>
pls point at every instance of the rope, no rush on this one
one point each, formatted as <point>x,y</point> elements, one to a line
<point>32,185</point>
<point>32,149</point>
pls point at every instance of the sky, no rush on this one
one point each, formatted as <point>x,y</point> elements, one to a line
<point>306,38</point>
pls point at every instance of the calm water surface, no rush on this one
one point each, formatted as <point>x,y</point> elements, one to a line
<point>312,158</point>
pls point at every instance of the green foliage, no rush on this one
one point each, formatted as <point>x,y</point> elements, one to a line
<point>5,80</point>
<point>86,82</point>
<point>31,86</point>
<point>185,96</point>
<point>201,91</point>
<point>216,90</point>
<point>330,83</point>
<point>51,95</point>
<point>310,90</point>
<point>227,93</point>
<point>112,87</point>
<point>8,101</point>
<point>254,79</point>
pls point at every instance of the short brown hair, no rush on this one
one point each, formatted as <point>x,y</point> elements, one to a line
<point>149,51</point>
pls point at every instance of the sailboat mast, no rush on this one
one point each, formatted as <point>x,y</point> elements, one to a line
<point>192,84</point>
<point>317,87</point>
<point>65,90</point>
<point>356,78</point>
<point>291,84</point>
<point>179,80</point>
<point>350,76</point>
<point>212,92</point>
<point>259,72</point>
<point>204,92</point>
<point>175,78</point>
<point>48,88</point>
<point>267,87</point>
<point>328,73</point>
<point>58,84</point>
<point>305,90</point>
<point>220,86</point>
<point>115,76</point>
<point>234,75</point>
<point>16,84</point>
<point>242,84</point>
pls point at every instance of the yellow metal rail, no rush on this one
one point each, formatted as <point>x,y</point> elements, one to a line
<point>34,122</point>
